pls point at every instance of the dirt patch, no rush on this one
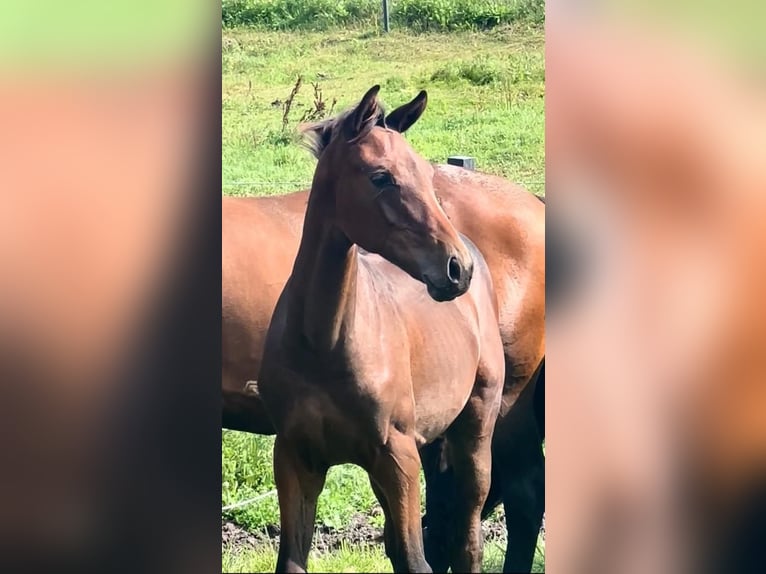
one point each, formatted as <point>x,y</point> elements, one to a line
<point>359,532</point>
<point>234,536</point>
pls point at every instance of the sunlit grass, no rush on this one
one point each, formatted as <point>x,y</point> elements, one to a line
<point>353,559</point>
<point>486,98</point>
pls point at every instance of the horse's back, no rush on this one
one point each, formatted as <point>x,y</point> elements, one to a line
<point>505,221</point>
<point>260,237</point>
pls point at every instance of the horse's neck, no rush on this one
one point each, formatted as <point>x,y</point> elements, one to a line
<point>323,283</point>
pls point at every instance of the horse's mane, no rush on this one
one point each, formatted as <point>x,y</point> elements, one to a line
<point>318,135</point>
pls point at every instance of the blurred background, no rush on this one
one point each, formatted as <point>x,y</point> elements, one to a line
<point>655,181</point>
<point>109,285</point>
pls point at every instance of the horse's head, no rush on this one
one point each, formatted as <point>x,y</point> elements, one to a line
<point>383,195</point>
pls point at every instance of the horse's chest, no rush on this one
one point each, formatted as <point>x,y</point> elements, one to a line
<point>340,417</point>
<point>351,386</point>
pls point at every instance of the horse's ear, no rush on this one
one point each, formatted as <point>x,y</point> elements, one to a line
<point>316,136</point>
<point>402,118</point>
<point>364,117</point>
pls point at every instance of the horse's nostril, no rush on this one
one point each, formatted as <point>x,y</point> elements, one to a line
<point>454,270</point>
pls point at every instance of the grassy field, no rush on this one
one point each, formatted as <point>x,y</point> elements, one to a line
<point>351,559</point>
<point>348,559</point>
<point>486,99</point>
<point>247,472</point>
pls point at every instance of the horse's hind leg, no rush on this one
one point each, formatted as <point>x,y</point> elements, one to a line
<point>524,501</point>
<point>440,496</point>
<point>519,467</point>
<point>396,473</point>
<point>298,488</point>
<point>470,450</point>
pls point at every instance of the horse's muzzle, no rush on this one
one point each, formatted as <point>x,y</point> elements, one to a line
<point>448,289</point>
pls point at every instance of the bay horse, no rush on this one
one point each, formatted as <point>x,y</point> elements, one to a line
<point>260,240</point>
<point>384,338</point>
<point>260,237</point>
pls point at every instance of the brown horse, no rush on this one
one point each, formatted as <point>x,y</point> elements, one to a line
<point>360,361</point>
<point>260,240</point>
<point>261,236</point>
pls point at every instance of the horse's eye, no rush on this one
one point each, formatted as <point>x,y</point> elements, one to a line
<point>382,179</point>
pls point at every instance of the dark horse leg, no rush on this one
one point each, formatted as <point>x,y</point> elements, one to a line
<point>298,487</point>
<point>396,474</point>
<point>524,501</point>
<point>440,494</point>
<point>519,473</point>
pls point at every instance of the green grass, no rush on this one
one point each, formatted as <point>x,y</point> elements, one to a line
<point>486,98</point>
<point>247,472</point>
<point>347,559</point>
<point>351,559</point>
<point>433,15</point>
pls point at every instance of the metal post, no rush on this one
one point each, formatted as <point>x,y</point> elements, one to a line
<point>465,161</point>
<point>386,26</point>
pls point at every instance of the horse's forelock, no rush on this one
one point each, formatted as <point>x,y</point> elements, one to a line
<point>317,136</point>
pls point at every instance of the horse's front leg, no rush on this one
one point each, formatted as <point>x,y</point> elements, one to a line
<point>388,539</point>
<point>298,488</point>
<point>396,473</point>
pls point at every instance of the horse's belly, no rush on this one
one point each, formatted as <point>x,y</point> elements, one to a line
<point>443,382</point>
